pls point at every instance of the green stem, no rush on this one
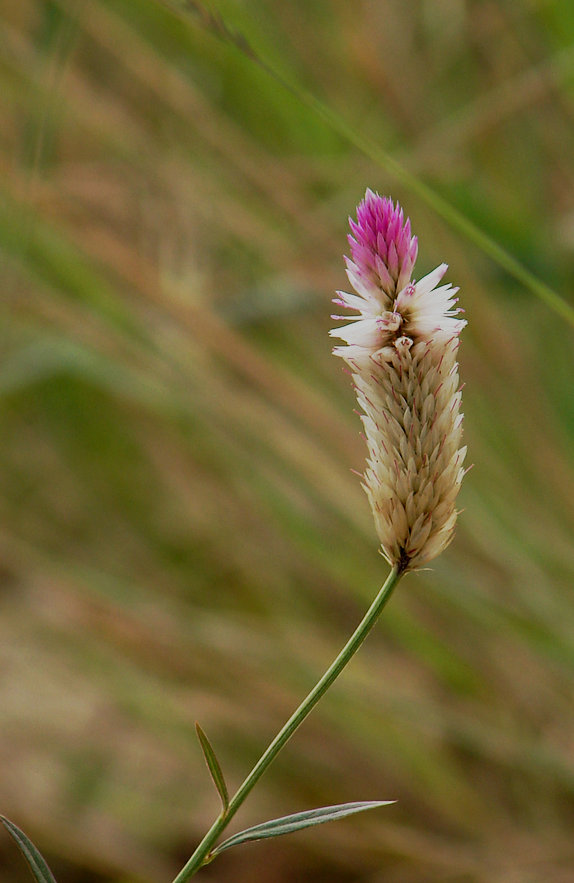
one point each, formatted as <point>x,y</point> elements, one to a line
<point>201,854</point>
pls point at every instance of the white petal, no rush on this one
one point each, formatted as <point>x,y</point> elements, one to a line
<point>365,332</point>
<point>360,304</point>
<point>428,282</point>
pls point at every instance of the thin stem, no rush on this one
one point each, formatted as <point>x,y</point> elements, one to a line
<point>201,854</point>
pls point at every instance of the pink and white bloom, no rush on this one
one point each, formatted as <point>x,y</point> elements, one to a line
<point>402,349</point>
<point>389,305</point>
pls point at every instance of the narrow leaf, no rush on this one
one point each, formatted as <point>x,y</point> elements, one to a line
<point>214,767</point>
<point>36,862</point>
<point>288,824</point>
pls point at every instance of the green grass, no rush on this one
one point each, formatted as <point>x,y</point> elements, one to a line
<point>182,538</point>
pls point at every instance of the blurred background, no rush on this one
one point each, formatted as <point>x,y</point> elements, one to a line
<point>181,534</point>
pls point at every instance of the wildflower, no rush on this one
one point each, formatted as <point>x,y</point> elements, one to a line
<point>402,350</point>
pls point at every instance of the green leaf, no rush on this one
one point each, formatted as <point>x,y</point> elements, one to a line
<point>288,824</point>
<point>214,767</point>
<point>36,863</point>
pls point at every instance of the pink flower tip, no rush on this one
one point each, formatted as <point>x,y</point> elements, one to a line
<point>382,247</point>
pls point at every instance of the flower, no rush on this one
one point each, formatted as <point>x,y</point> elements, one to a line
<point>402,348</point>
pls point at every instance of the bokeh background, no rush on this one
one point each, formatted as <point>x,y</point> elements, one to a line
<point>182,537</point>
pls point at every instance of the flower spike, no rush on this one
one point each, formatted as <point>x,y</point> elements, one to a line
<point>402,349</point>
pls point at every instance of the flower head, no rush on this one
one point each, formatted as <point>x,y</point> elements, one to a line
<point>402,349</point>
<point>389,304</point>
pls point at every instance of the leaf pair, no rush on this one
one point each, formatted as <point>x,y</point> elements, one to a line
<point>274,827</point>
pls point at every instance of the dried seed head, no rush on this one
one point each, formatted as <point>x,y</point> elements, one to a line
<point>402,350</point>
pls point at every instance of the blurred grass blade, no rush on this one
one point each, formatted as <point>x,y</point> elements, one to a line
<point>298,821</point>
<point>241,40</point>
<point>214,767</point>
<point>36,863</point>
